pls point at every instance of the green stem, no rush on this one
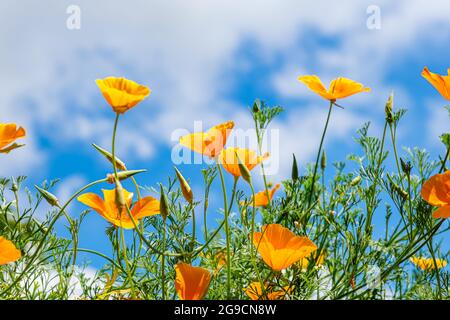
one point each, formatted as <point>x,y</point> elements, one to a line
<point>163,274</point>
<point>311,193</point>
<point>227,230</point>
<point>49,228</point>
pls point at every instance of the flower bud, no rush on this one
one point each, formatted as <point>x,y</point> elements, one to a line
<point>355,181</point>
<point>294,174</point>
<point>323,161</point>
<point>119,163</point>
<point>120,198</point>
<point>185,188</point>
<point>163,204</point>
<point>49,197</point>
<point>245,173</point>
<point>123,175</point>
<point>388,109</point>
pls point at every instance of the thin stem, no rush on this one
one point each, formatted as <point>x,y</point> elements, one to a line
<point>163,262</point>
<point>227,230</point>
<point>311,193</point>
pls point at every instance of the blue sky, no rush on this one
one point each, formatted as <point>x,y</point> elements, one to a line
<point>207,61</point>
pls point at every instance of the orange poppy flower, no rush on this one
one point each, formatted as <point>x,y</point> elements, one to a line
<point>441,83</point>
<point>436,191</point>
<point>8,134</point>
<point>427,264</point>
<point>8,252</point>
<point>339,88</point>
<point>209,143</point>
<point>261,199</point>
<point>255,293</point>
<point>191,283</point>
<point>147,206</point>
<point>280,248</point>
<point>249,158</point>
<point>122,94</point>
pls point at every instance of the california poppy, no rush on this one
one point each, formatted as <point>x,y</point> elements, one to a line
<point>436,191</point>
<point>209,143</point>
<point>280,248</point>
<point>191,283</point>
<point>427,264</point>
<point>248,157</point>
<point>261,199</point>
<point>122,94</point>
<point>255,293</point>
<point>147,206</point>
<point>339,88</point>
<point>441,83</point>
<point>8,252</point>
<point>8,134</point>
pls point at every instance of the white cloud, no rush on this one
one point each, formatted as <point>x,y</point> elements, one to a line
<point>186,52</point>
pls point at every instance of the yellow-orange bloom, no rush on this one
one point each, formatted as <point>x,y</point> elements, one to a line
<point>436,191</point>
<point>249,158</point>
<point>147,206</point>
<point>8,134</point>
<point>427,264</point>
<point>441,83</point>
<point>280,248</point>
<point>211,142</point>
<point>8,252</point>
<point>191,283</point>
<point>255,293</point>
<point>122,94</point>
<point>261,199</point>
<point>339,88</point>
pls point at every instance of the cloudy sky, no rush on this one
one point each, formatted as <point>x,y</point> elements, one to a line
<point>207,61</point>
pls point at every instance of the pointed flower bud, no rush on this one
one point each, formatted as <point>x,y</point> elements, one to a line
<point>163,204</point>
<point>355,181</point>
<point>294,169</point>
<point>185,187</point>
<point>123,175</point>
<point>388,109</point>
<point>323,161</point>
<point>120,197</point>
<point>119,163</point>
<point>245,173</point>
<point>49,197</point>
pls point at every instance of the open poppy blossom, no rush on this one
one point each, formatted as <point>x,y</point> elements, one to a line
<point>9,132</point>
<point>261,199</point>
<point>249,158</point>
<point>280,248</point>
<point>441,83</point>
<point>191,283</point>
<point>339,88</point>
<point>122,94</point>
<point>255,292</point>
<point>436,191</point>
<point>209,143</point>
<point>427,264</point>
<point>147,206</point>
<point>8,252</point>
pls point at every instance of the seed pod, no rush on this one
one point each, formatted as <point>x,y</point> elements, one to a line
<point>185,187</point>
<point>163,204</point>
<point>245,173</point>
<point>119,163</point>
<point>49,197</point>
<point>294,174</point>
<point>323,161</point>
